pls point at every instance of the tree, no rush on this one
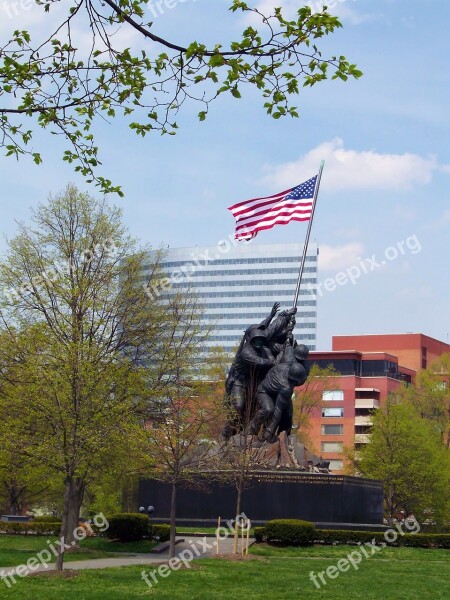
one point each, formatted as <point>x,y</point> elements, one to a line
<point>238,460</point>
<point>24,486</point>
<point>61,85</point>
<point>105,494</point>
<point>184,402</point>
<point>405,452</point>
<point>430,395</point>
<point>78,344</point>
<point>21,485</point>
<point>309,397</point>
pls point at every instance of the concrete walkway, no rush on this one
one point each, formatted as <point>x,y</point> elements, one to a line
<point>188,548</point>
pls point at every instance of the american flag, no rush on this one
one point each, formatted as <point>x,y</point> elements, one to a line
<point>258,214</point>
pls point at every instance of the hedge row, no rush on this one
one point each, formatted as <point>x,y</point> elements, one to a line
<point>260,534</point>
<point>29,528</point>
<point>289,532</point>
<point>47,519</point>
<point>127,527</point>
<point>327,537</point>
<point>391,537</point>
<point>160,532</point>
<point>132,527</point>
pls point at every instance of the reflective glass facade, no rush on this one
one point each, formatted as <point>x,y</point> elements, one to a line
<point>238,284</point>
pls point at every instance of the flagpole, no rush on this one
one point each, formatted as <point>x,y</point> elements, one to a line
<point>305,248</point>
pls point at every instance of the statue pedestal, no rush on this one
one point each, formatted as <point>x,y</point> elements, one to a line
<point>331,501</point>
<point>284,452</point>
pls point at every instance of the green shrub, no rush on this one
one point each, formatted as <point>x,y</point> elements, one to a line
<point>46,519</point>
<point>290,532</point>
<point>434,528</point>
<point>442,540</point>
<point>127,527</point>
<point>160,532</point>
<point>30,528</point>
<point>417,540</point>
<point>425,540</point>
<point>337,536</point>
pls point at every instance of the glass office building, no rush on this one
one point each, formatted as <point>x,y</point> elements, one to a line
<point>238,285</point>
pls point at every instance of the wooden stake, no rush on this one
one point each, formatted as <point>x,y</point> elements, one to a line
<point>217,536</point>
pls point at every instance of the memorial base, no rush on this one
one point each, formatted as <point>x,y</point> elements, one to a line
<point>329,501</point>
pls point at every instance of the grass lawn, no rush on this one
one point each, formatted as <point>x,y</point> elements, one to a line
<point>202,530</point>
<point>16,549</point>
<point>396,574</point>
<point>336,552</point>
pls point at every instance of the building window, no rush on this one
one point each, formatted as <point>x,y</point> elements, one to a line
<point>424,357</point>
<point>336,465</point>
<point>331,447</point>
<point>235,338</point>
<point>239,294</point>
<point>333,395</point>
<point>224,282</point>
<point>344,366</point>
<point>239,261</point>
<point>332,412</point>
<point>379,368</point>
<point>251,316</point>
<point>364,412</point>
<point>367,394</point>
<point>441,386</point>
<point>363,429</point>
<point>231,305</point>
<point>332,429</point>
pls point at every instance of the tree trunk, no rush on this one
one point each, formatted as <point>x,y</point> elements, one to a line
<point>73,498</point>
<point>173,520</point>
<point>240,485</point>
<point>390,506</point>
<point>15,506</point>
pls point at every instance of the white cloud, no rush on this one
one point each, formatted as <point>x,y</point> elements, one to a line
<point>405,212</point>
<point>266,7</point>
<point>354,170</point>
<point>335,258</point>
<point>349,233</point>
<point>424,292</point>
<point>338,8</point>
<point>209,194</point>
<point>443,221</point>
<point>41,25</point>
<point>27,15</point>
<point>446,217</point>
<point>341,9</point>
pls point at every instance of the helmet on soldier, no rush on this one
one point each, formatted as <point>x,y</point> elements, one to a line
<point>301,352</point>
<point>297,374</point>
<point>257,337</point>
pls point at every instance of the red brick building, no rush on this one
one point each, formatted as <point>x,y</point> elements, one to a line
<point>370,367</point>
<point>413,350</point>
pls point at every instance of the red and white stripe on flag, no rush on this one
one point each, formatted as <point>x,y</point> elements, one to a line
<point>258,214</point>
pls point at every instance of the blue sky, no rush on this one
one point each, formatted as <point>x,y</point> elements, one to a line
<point>385,140</point>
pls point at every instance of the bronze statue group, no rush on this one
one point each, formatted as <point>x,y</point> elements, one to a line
<point>267,367</point>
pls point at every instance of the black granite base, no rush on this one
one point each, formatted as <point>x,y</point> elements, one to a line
<point>334,500</point>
